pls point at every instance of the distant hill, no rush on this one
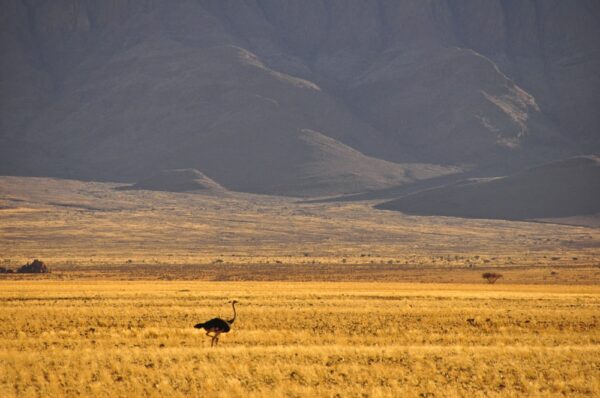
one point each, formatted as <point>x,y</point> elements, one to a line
<point>180,180</point>
<point>564,188</point>
<point>308,163</point>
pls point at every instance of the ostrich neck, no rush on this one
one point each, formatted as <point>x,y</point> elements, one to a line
<point>234,313</point>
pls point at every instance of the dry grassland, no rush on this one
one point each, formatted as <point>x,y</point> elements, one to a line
<point>316,273</point>
<point>74,332</point>
<point>126,339</point>
<point>84,224</point>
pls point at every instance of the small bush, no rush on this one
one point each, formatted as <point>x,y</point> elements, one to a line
<point>491,277</point>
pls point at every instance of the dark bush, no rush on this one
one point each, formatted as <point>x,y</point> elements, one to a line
<point>491,277</point>
<point>36,267</point>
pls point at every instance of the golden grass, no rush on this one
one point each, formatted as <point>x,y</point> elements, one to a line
<point>93,338</point>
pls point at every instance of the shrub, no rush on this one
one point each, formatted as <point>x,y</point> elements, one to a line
<point>491,277</point>
<point>36,267</point>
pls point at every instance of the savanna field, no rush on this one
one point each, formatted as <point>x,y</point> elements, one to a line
<point>335,299</point>
<point>118,338</point>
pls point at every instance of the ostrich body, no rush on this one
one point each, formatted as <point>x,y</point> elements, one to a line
<point>216,326</point>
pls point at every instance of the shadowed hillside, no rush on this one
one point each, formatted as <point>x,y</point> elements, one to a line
<point>560,189</point>
<point>179,180</point>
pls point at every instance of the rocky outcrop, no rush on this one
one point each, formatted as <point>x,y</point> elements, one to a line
<point>35,267</point>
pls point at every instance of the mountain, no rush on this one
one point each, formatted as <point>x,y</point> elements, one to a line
<point>563,188</point>
<point>295,97</point>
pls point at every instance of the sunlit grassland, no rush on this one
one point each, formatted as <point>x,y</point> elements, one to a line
<point>83,338</point>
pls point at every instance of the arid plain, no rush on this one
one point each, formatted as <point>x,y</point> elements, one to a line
<point>336,299</point>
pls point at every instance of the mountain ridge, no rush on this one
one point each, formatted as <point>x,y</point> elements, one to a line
<point>120,90</point>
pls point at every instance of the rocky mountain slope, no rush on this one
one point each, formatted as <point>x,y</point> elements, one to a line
<point>564,188</point>
<point>295,97</point>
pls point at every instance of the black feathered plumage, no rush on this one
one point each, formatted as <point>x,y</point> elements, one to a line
<point>214,324</point>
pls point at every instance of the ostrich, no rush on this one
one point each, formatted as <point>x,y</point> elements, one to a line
<point>217,326</point>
